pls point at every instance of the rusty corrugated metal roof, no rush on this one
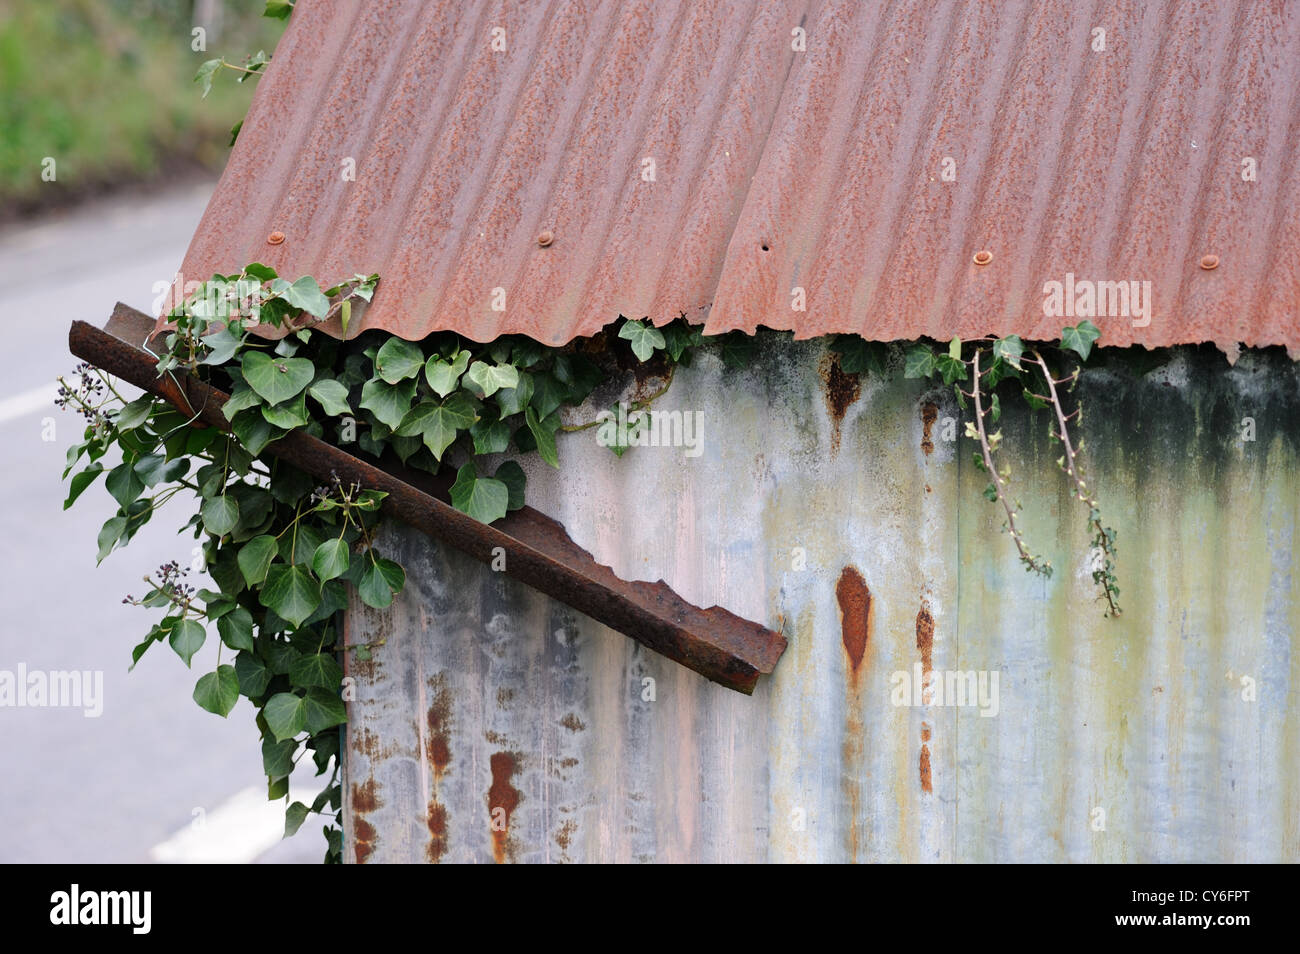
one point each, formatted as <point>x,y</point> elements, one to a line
<point>775,168</point>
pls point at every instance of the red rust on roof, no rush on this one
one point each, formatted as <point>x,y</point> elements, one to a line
<point>695,162</point>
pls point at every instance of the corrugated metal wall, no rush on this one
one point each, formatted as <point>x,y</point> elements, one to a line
<point>1113,740</point>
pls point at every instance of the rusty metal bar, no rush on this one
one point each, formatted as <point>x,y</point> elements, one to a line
<point>713,642</point>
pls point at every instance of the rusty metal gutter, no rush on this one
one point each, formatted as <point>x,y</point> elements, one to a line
<point>713,642</point>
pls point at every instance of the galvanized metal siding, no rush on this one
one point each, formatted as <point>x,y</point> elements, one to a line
<point>820,169</point>
<point>484,694</point>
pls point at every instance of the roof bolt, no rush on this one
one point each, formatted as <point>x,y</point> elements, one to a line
<point>983,257</point>
<point>1209,261</point>
<point>545,238</point>
<point>275,238</point>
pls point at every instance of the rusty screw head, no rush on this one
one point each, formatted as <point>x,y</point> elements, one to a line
<point>1209,261</point>
<point>983,257</point>
<point>545,238</point>
<point>275,238</point>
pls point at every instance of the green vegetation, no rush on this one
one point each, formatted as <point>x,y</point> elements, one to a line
<point>106,88</point>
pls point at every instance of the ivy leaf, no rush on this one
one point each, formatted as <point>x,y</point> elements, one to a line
<point>398,360</point>
<point>331,559</point>
<point>303,293</point>
<point>644,338</point>
<point>954,349</point>
<point>548,393</point>
<point>255,558</point>
<point>388,402</point>
<point>253,675</point>
<point>81,481</point>
<point>220,514</point>
<point>1009,349</point>
<point>241,399</point>
<point>1034,401</point>
<point>290,414</point>
<point>218,691</point>
<point>222,346</point>
<point>279,10</point>
<point>317,669</point>
<point>438,422</point>
<point>277,757</point>
<point>285,715</point>
<point>514,400</point>
<point>995,409</point>
<point>254,431</point>
<point>490,437</point>
<point>276,379</point>
<point>543,432</point>
<point>857,355</point>
<point>109,534</point>
<point>919,362</point>
<point>442,375</point>
<point>332,395</point>
<point>291,592</point>
<point>155,469</point>
<point>381,581</point>
<point>187,638</point>
<point>483,498</point>
<point>135,413</point>
<point>205,75</point>
<point>124,483</point>
<point>236,629</point>
<point>483,380</point>
<point>1080,339</point>
<point>737,349</point>
<point>296,813</point>
<point>679,337</point>
<point>512,475</point>
<point>952,369</point>
<point>323,710</point>
<point>263,273</point>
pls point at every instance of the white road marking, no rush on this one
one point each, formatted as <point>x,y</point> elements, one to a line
<point>235,832</point>
<point>20,405</point>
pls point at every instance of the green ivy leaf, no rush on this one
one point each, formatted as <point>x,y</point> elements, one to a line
<point>331,559</point>
<point>858,356</point>
<point>995,409</point>
<point>109,534</point>
<point>679,337</point>
<point>388,402</point>
<point>490,437</point>
<point>483,380</point>
<point>205,75</point>
<point>737,349</point>
<point>291,592</point>
<point>323,710</point>
<point>952,369</point>
<point>285,715</point>
<point>304,293</point>
<point>296,813</point>
<point>643,337</point>
<point>222,346</point>
<point>483,498</point>
<point>317,669</point>
<point>954,349</point>
<point>263,273</point>
<point>253,675</point>
<point>241,399</point>
<point>1033,401</point>
<point>1009,349</point>
<point>187,638</point>
<point>398,360</point>
<point>135,413</point>
<point>1080,339</point>
<point>236,629</point>
<point>124,483</point>
<point>332,395</point>
<point>543,432</point>
<point>438,422</point>
<point>218,691</point>
<point>548,393</point>
<point>81,481</point>
<point>277,757</point>
<point>380,582</point>
<point>919,362</point>
<point>220,514</point>
<point>255,558</point>
<point>290,414</point>
<point>512,475</point>
<point>514,400</point>
<point>276,379</point>
<point>442,375</point>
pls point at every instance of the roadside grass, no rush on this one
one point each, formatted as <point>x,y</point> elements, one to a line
<point>105,89</point>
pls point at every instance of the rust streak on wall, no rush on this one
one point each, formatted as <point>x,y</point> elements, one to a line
<point>929,413</point>
<point>364,837</point>
<point>438,751</point>
<point>504,796</point>
<point>855,615</point>
<point>842,389</point>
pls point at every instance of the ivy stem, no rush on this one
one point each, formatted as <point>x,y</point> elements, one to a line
<point>1072,471</point>
<point>1025,555</point>
<point>636,405</point>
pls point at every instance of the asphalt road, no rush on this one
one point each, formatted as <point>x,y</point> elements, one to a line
<point>153,777</point>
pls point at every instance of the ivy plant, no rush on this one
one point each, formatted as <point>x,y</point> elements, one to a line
<point>285,551</point>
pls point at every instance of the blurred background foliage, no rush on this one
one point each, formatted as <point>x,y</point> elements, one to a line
<point>106,87</point>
